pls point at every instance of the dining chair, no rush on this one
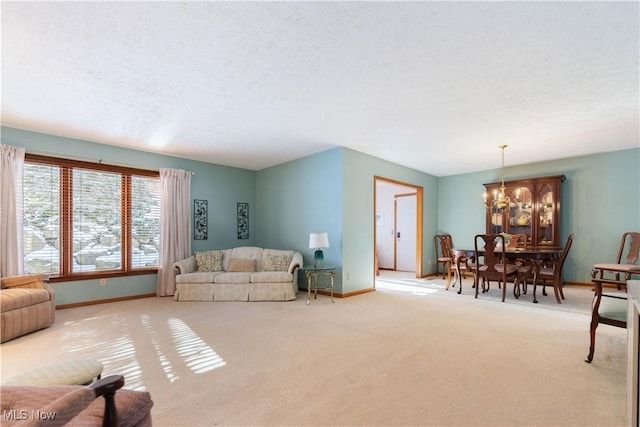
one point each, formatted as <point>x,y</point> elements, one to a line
<point>631,242</point>
<point>456,268</point>
<point>442,256</point>
<point>518,240</point>
<point>525,266</point>
<point>610,308</point>
<point>552,272</point>
<point>491,264</point>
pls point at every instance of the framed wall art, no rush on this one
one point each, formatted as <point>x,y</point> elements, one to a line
<point>243,220</point>
<point>200,229</point>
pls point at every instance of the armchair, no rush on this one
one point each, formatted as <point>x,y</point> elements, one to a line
<point>610,308</point>
<point>76,405</point>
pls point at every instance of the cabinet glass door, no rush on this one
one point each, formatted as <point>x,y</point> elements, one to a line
<point>520,211</point>
<point>546,215</point>
<point>496,218</point>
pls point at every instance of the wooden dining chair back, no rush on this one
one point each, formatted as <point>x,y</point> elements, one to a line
<point>610,308</point>
<point>631,240</point>
<point>552,272</point>
<point>518,240</point>
<point>456,267</point>
<point>442,254</point>
<point>491,264</point>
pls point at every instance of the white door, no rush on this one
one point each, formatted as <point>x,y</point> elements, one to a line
<point>406,232</point>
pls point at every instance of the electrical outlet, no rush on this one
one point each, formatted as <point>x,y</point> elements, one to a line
<point>103,282</point>
<point>348,276</point>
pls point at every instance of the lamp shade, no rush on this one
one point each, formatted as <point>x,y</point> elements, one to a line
<point>318,240</point>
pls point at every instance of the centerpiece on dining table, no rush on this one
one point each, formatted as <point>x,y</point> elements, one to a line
<point>507,239</point>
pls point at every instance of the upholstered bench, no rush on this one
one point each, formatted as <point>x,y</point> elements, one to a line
<point>65,372</point>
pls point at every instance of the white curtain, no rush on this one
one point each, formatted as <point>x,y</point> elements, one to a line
<point>11,252</point>
<point>175,226</point>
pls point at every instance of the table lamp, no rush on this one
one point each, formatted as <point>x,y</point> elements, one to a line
<point>318,241</point>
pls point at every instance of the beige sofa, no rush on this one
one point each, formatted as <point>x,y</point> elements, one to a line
<point>245,273</point>
<point>27,304</point>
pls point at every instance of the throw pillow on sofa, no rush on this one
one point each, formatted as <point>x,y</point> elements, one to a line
<point>243,265</point>
<point>209,261</point>
<point>277,262</point>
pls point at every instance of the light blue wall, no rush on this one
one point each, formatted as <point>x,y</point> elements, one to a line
<point>300,197</point>
<point>333,191</point>
<point>222,186</point>
<point>600,201</point>
<point>358,215</point>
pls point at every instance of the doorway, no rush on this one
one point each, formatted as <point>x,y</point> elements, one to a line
<point>398,226</point>
<point>405,232</point>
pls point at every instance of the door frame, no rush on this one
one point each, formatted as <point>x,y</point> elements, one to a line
<point>419,220</point>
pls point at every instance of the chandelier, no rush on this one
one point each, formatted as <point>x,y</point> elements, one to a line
<point>500,199</point>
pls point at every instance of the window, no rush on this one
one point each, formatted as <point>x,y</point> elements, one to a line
<point>89,220</point>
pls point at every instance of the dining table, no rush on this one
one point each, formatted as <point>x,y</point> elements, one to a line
<point>536,256</point>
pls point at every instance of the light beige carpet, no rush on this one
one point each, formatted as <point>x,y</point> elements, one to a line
<point>395,357</point>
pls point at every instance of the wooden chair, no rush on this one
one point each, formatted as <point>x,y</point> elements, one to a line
<point>456,268</point>
<point>78,404</point>
<point>442,256</point>
<point>525,266</point>
<point>610,308</point>
<point>631,242</point>
<point>553,273</point>
<point>491,264</point>
<point>518,240</point>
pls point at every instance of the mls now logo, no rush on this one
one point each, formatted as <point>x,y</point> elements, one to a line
<point>15,415</point>
<point>23,414</point>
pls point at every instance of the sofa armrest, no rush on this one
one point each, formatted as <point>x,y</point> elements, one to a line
<point>35,281</point>
<point>187,265</point>
<point>31,281</point>
<point>296,262</point>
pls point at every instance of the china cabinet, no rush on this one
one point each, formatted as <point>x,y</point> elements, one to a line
<point>533,209</point>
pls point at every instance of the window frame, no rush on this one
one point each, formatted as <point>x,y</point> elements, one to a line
<point>66,166</point>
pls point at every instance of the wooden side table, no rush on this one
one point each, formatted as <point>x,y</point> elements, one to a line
<point>312,272</point>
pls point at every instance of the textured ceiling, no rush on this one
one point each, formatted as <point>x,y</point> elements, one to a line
<point>435,86</point>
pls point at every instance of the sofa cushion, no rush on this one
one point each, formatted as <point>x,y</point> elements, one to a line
<point>242,265</point>
<point>15,298</point>
<point>277,262</point>
<point>246,252</point>
<point>271,277</point>
<point>197,277</point>
<point>233,277</point>
<point>209,261</point>
<point>267,254</point>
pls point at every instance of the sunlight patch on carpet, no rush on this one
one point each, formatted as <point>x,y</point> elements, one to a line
<point>408,284</point>
<point>197,355</point>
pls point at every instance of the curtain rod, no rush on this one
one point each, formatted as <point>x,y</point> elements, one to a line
<point>90,160</point>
